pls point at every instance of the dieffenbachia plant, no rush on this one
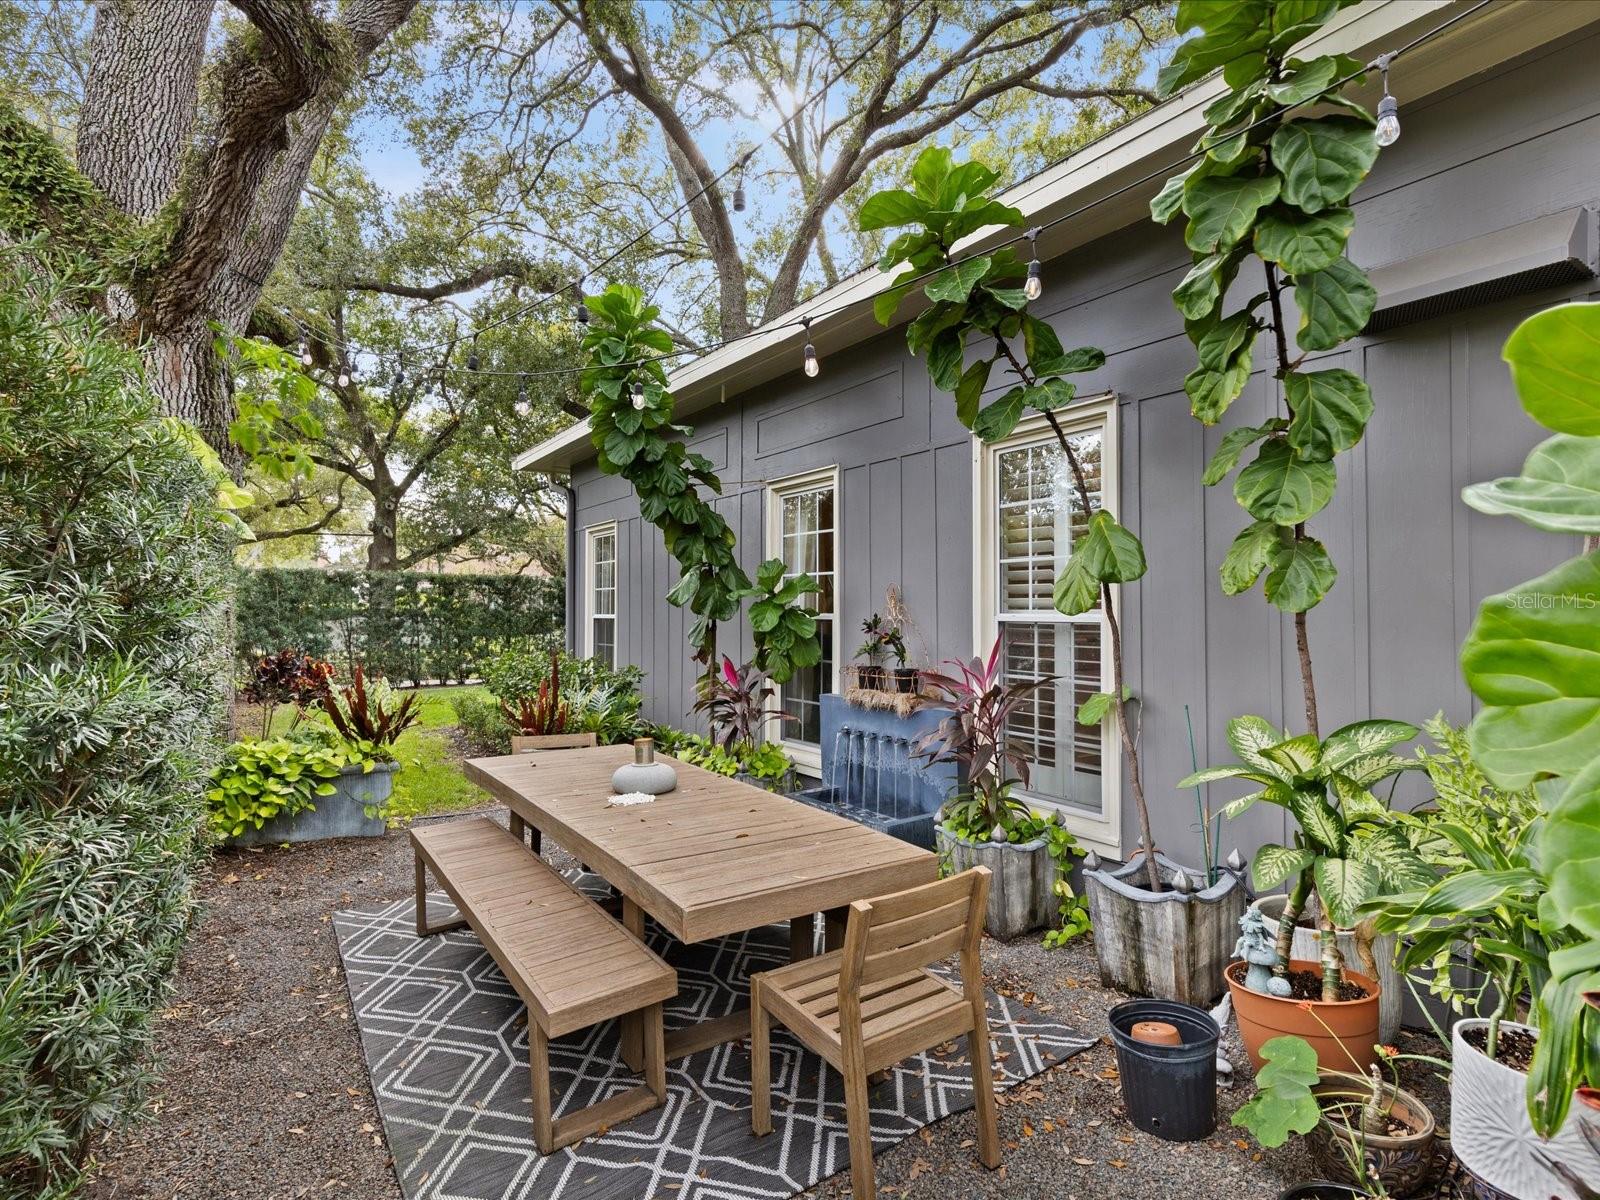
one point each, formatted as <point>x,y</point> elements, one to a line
<point>630,424</point>
<point>1281,155</point>
<point>1349,845</point>
<point>1533,659</point>
<point>978,318</point>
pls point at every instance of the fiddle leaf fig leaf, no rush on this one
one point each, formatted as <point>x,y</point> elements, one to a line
<point>887,209</point>
<point>1322,160</point>
<point>956,281</point>
<point>1094,710</point>
<point>969,390</point>
<point>1111,553</point>
<point>1558,490</point>
<point>1168,202</point>
<point>1335,304</point>
<point>1330,412</point>
<point>1200,291</point>
<point>1076,590</point>
<point>1222,208</point>
<point>996,421</point>
<point>1307,80</point>
<point>1301,575</point>
<point>1555,364</point>
<point>1302,242</point>
<point>1234,443</point>
<point>1251,552</point>
<point>1279,487</point>
<point>1211,392</point>
<point>1533,658</point>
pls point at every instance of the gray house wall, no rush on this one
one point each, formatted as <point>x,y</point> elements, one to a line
<point>1514,144</point>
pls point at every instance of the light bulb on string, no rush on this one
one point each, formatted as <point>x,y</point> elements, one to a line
<point>473,361</point>
<point>582,310</point>
<point>738,187</point>
<point>305,352</point>
<point>639,401</point>
<point>399,374</point>
<point>812,366</point>
<point>1034,287</point>
<point>344,377</point>
<point>522,395</point>
<point>1387,132</point>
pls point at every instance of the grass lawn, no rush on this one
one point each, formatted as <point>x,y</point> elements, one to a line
<point>430,779</point>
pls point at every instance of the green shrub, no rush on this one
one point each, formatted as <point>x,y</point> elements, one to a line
<point>405,625</point>
<point>603,700</point>
<point>766,762</point>
<point>483,725</point>
<point>112,576</point>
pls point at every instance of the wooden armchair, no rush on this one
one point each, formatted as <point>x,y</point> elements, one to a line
<point>874,1002</point>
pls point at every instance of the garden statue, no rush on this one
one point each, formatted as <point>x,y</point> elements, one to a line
<point>1256,948</point>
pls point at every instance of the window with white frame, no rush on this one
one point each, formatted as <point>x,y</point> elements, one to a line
<point>802,530</point>
<point>601,572</point>
<point>1031,518</point>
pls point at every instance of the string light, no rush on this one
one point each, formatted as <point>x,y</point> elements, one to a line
<point>813,367</point>
<point>473,362</point>
<point>1034,287</point>
<point>738,186</point>
<point>1387,132</point>
<point>400,373</point>
<point>305,351</point>
<point>582,312</point>
<point>638,396</point>
<point>344,376</point>
<point>522,389</point>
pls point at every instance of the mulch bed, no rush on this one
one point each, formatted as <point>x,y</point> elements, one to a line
<point>264,1093</point>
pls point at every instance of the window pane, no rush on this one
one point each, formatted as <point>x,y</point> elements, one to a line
<point>806,536</point>
<point>1040,516</point>
<point>605,640</point>
<point>1065,756</point>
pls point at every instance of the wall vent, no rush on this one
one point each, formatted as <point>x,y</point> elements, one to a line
<point>1542,253</point>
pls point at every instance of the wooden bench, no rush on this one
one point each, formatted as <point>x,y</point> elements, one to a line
<point>573,965</point>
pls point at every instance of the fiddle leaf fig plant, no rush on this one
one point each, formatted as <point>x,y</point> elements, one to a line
<point>1531,657</point>
<point>1273,186</point>
<point>977,318</point>
<point>631,427</point>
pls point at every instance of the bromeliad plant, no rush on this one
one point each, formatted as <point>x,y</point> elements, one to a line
<point>1274,185</point>
<point>1531,659</point>
<point>735,702</point>
<point>1349,847</point>
<point>630,423</point>
<point>545,712</point>
<point>980,304</point>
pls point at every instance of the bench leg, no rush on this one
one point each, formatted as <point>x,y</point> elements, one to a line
<point>423,928</point>
<point>539,1069</point>
<point>655,1051</point>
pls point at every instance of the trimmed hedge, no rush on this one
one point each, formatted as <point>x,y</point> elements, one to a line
<point>401,624</point>
<point>114,561</point>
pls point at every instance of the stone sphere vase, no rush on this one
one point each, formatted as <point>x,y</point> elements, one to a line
<point>644,774</point>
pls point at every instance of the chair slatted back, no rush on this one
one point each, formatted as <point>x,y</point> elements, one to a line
<point>909,930</point>
<point>528,743</point>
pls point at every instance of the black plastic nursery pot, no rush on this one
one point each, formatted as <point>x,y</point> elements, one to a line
<point>1170,1091</point>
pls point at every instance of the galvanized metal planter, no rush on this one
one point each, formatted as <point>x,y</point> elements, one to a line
<point>1169,944</point>
<point>1022,892</point>
<point>340,815</point>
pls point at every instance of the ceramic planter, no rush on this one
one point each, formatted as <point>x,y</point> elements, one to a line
<point>1022,891</point>
<point>341,815</point>
<point>1492,1136</point>
<point>1344,1033</point>
<point>1402,1163</point>
<point>1307,945</point>
<point>1169,944</point>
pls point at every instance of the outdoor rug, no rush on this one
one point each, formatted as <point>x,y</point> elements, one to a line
<point>446,1043</point>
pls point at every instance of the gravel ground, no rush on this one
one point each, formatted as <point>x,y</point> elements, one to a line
<point>264,1093</point>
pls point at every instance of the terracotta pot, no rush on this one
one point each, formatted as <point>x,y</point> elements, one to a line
<point>1307,944</point>
<point>1354,1023</point>
<point>1402,1163</point>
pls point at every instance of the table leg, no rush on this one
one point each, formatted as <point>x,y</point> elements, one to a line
<point>802,937</point>
<point>633,1023</point>
<point>833,928</point>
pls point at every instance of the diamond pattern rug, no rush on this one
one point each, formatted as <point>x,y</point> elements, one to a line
<point>446,1044</point>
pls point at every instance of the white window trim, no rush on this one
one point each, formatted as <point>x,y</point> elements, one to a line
<point>1102,833</point>
<point>807,758</point>
<point>590,533</point>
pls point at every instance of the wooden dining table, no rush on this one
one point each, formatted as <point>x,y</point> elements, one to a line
<point>711,858</point>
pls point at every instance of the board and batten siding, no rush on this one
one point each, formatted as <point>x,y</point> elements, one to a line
<point>1513,144</point>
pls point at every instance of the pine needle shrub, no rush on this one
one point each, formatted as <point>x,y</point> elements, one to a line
<point>112,553</point>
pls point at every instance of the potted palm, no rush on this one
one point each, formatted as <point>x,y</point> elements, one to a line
<point>1348,849</point>
<point>984,823</point>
